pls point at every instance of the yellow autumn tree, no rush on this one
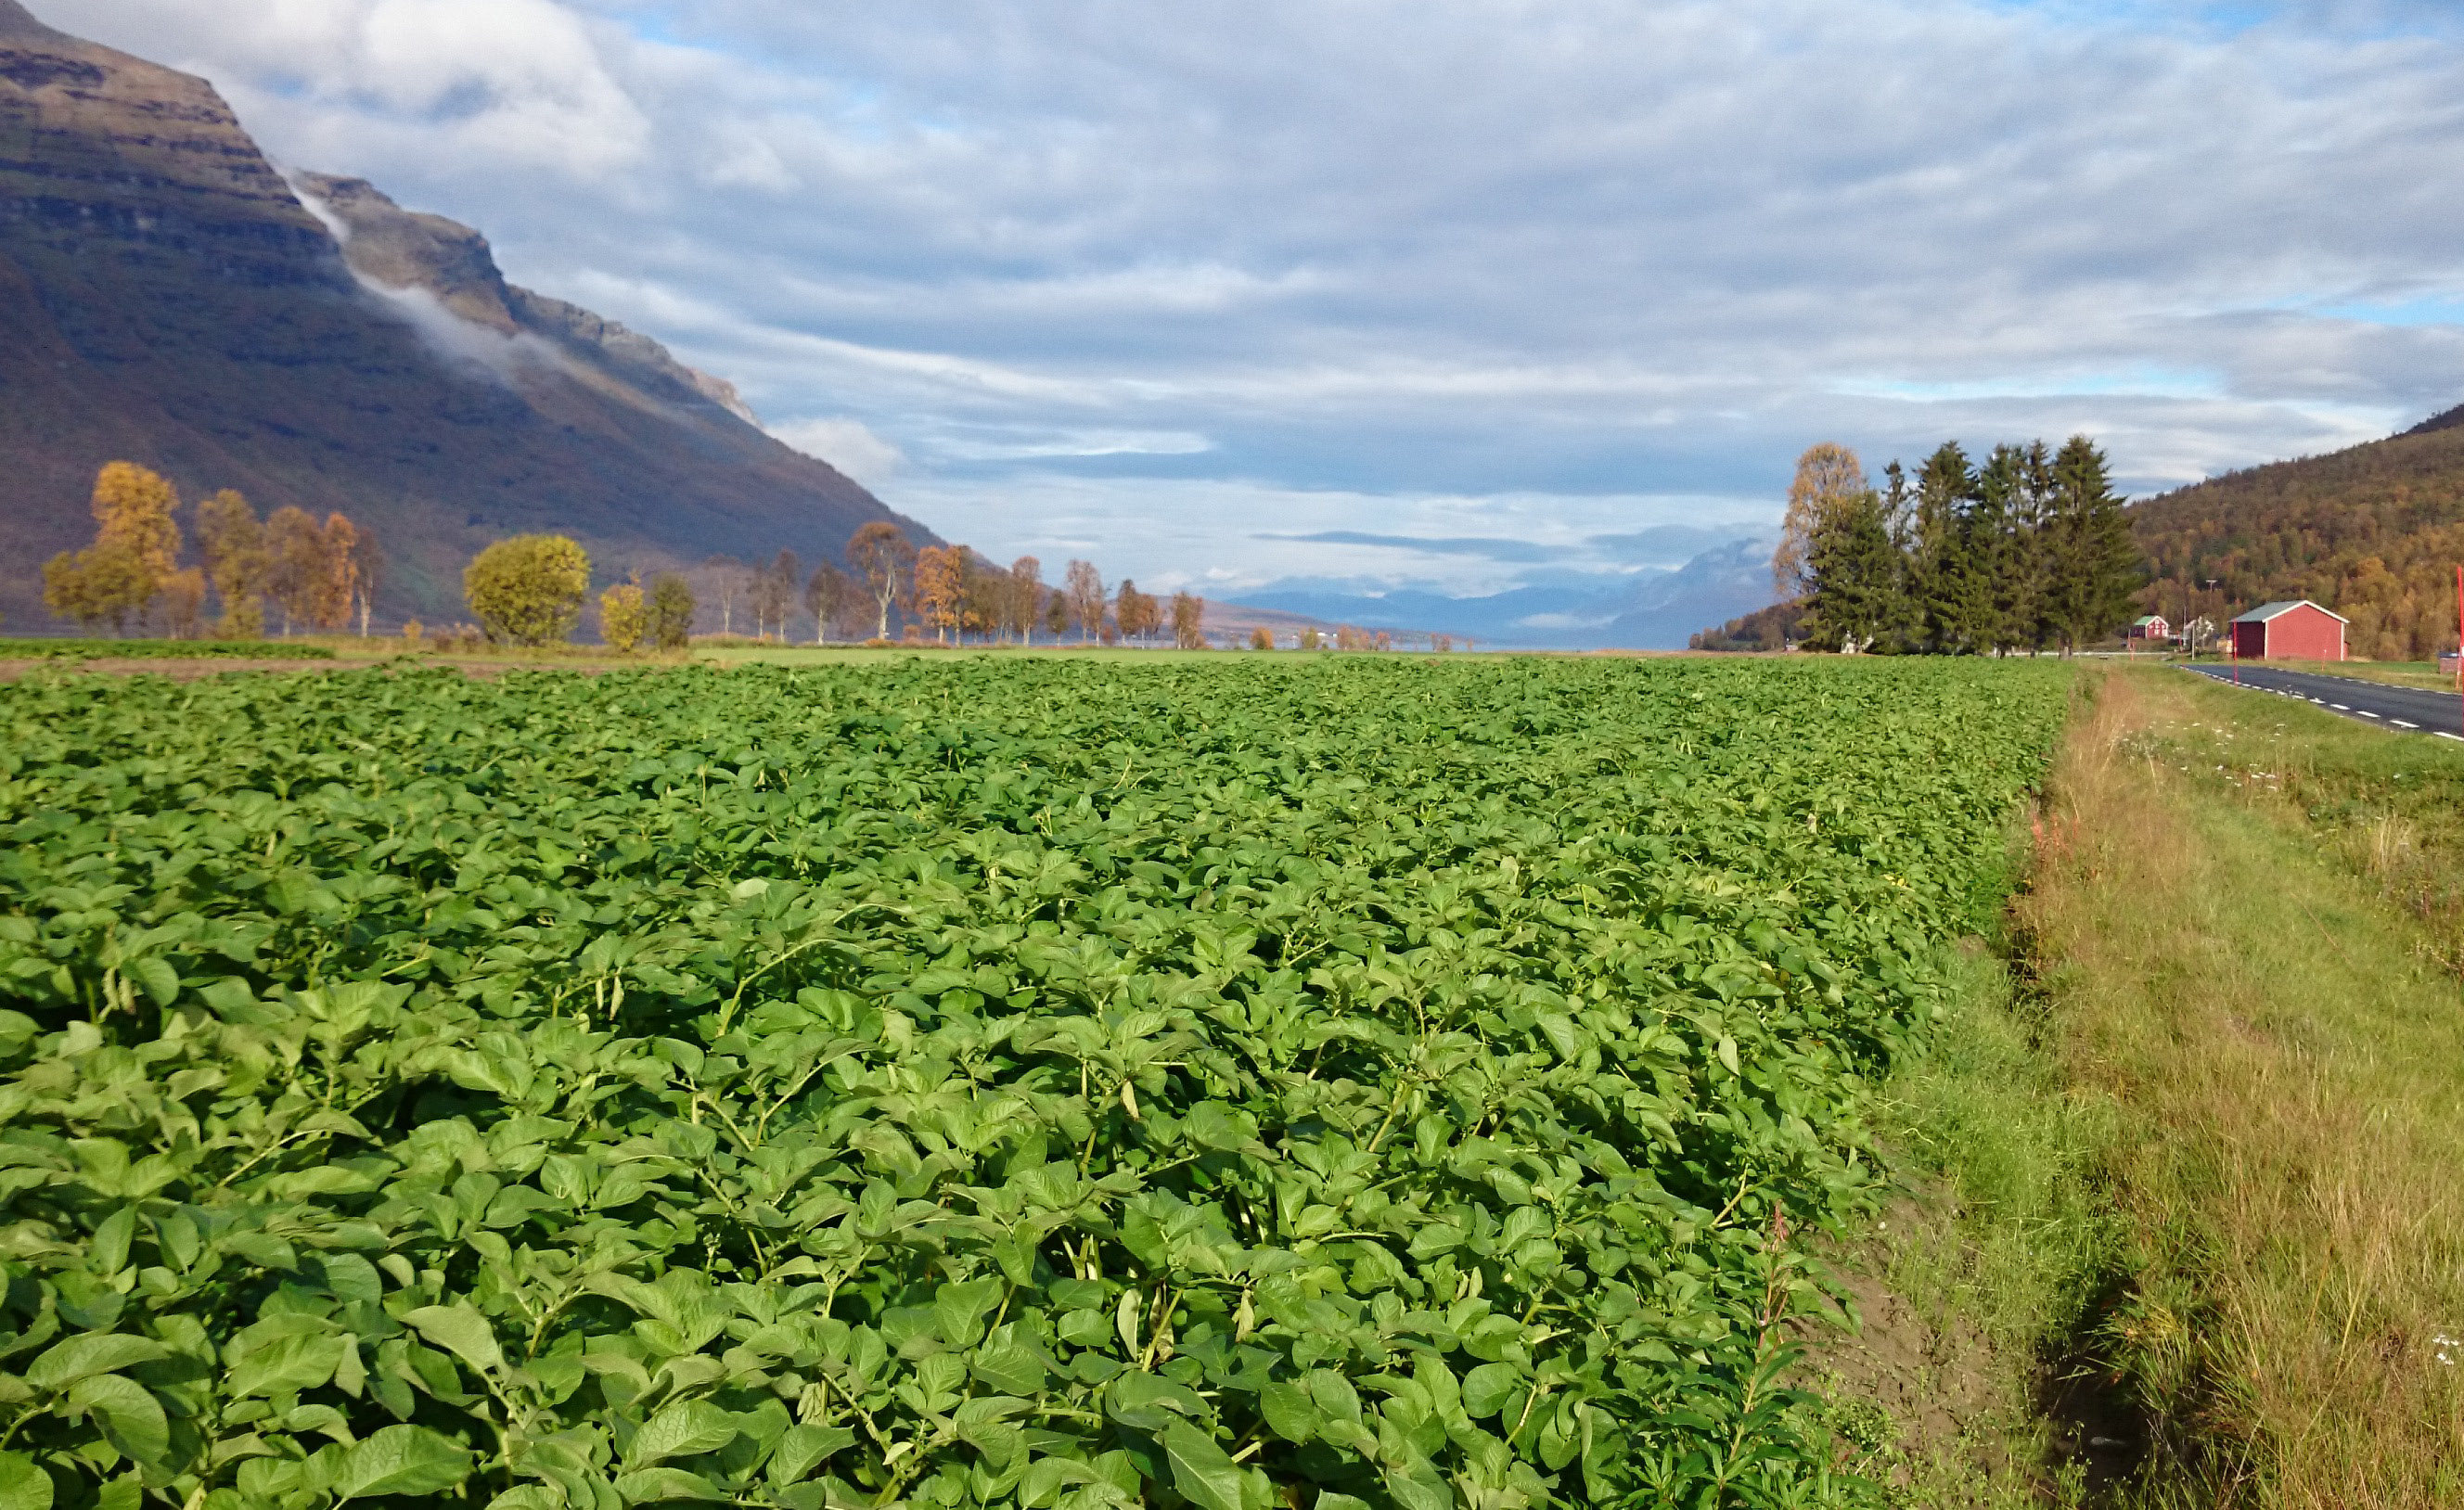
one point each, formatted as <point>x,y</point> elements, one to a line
<point>623,617</point>
<point>334,575</point>
<point>234,544</point>
<point>528,590</point>
<point>136,550</point>
<point>1828,478</point>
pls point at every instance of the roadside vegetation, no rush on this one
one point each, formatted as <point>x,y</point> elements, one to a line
<point>2199,1213</point>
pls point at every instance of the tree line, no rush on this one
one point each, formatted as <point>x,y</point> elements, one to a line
<point>533,590</point>
<point>2028,551</point>
<point>317,576</point>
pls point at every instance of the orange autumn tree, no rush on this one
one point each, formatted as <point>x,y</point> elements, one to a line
<point>941,586</point>
<point>134,556</point>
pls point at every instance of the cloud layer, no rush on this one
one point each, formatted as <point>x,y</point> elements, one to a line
<point>1181,285</point>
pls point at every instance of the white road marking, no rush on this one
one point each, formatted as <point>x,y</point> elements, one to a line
<point>2401,724</point>
<point>2444,735</point>
<point>2367,713</point>
<point>2340,707</point>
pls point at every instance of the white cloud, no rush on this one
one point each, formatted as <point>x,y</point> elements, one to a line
<point>849,444</point>
<point>1144,277</point>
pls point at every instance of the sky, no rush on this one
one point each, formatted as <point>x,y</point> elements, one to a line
<point>1454,294</point>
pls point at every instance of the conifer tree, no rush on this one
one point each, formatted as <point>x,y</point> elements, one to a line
<point>1949,594</point>
<point>1852,572</point>
<point>2095,566</point>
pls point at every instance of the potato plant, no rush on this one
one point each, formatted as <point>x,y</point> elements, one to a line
<point>1236,1084</point>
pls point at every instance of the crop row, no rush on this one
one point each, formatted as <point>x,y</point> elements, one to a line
<point>1040,1084</point>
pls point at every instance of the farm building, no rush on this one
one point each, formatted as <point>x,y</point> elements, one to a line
<point>2151,627</point>
<point>2298,631</point>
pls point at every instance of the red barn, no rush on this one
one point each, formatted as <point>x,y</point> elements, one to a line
<point>2289,631</point>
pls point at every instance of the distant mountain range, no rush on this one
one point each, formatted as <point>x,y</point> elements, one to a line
<point>168,297</point>
<point>1646,609</point>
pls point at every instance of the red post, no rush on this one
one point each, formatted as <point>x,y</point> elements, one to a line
<point>2459,627</point>
<point>2232,651</point>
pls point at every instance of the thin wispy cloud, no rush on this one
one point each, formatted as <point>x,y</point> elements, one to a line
<point>1182,283</point>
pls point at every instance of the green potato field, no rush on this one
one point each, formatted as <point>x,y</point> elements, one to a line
<point>1245,1083</point>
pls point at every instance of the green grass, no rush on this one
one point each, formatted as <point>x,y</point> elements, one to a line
<point>2269,1024</point>
<point>17,650</point>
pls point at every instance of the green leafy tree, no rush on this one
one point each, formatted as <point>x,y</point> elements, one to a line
<point>528,590</point>
<point>670,612</point>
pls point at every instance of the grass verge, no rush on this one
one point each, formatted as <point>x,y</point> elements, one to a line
<point>2282,1064</point>
<point>2185,1220</point>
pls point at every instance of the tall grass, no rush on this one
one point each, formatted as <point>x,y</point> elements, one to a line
<point>2283,1067</point>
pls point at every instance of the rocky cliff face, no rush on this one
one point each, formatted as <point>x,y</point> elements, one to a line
<point>168,297</point>
<point>398,250</point>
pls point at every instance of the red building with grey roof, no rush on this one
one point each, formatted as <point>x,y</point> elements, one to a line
<point>2300,630</point>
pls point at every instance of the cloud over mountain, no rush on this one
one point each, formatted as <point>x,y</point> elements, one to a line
<point>1575,251</point>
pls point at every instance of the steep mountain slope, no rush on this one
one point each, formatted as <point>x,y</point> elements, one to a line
<point>2374,532</point>
<point>166,298</point>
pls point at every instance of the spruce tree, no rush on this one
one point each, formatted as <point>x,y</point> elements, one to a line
<point>2095,566</point>
<point>1853,575</point>
<point>1947,590</point>
<point>2006,549</point>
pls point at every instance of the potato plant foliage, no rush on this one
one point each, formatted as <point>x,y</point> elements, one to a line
<point>1244,1084</point>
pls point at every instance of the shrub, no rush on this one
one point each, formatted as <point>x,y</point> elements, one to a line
<point>528,590</point>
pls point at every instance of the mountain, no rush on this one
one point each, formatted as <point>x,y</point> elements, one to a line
<point>2373,532</point>
<point>1645,610</point>
<point>168,297</point>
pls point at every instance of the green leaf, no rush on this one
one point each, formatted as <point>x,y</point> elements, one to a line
<point>160,981</point>
<point>1289,1412</point>
<point>460,1331</point>
<point>684,1430</point>
<point>65,1363</point>
<point>1417,1485</point>
<point>651,1485</point>
<point>128,1413</point>
<point>108,1253</point>
<point>1147,1402</point>
<point>1201,1470</point>
<point>529,1497</point>
<point>1047,1476</point>
<point>958,1310</point>
<point>400,1460</point>
<point>23,1486</point>
<point>1009,1366</point>
<point>1487,1388</point>
<point>802,1449</point>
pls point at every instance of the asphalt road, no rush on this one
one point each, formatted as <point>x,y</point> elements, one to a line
<point>2398,707</point>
